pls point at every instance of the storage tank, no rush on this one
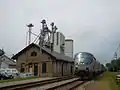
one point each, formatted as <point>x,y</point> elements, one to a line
<point>69,47</point>
<point>59,42</point>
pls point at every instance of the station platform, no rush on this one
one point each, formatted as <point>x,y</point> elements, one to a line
<point>25,81</point>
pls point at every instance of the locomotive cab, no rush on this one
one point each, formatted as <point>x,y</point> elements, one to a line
<point>84,64</point>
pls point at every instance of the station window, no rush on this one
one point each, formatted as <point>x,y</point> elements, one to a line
<point>44,67</point>
<point>33,53</point>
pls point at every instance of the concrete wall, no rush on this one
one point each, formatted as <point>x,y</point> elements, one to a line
<point>60,38</point>
<point>61,68</point>
<point>69,47</point>
<point>5,62</point>
<point>4,65</point>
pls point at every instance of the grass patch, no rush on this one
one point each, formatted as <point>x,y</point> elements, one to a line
<point>108,78</point>
<point>18,79</point>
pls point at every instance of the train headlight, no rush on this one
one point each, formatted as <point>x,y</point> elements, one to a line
<point>76,63</point>
<point>76,68</point>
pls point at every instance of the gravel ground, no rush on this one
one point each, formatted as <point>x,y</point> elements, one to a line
<point>93,86</point>
<point>98,85</point>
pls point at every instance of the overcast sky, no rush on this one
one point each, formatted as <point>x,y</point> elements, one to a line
<point>93,24</point>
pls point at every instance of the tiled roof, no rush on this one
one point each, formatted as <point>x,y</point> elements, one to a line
<point>52,53</point>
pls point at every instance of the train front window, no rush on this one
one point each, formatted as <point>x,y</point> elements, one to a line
<point>85,58</point>
<point>88,61</point>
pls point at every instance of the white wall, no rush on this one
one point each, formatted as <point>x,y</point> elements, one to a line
<point>59,39</point>
<point>4,65</point>
<point>69,47</point>
<point>5,61</point>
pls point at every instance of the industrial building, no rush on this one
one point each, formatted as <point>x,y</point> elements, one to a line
<point>42,61</point>
<point>62,45</point>
<point>69,47</point>
<point>59,42</point>
<point>47,58</point>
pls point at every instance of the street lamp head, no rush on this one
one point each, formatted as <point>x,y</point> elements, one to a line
<point>52,24</point>
<point>30,25</point>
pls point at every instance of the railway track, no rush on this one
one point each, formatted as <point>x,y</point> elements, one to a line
<point>34,84</point>
<point>69,84</point>
<point>61,83</point>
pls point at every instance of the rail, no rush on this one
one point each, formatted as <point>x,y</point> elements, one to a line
<point>61,85</point>
<point>34,84</point>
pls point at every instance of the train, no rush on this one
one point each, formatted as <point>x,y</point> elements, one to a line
<point>86,65</point>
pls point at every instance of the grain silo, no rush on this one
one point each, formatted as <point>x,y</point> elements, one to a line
<point>69,47</point>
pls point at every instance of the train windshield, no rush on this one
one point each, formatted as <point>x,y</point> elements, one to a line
<point>83,58</point>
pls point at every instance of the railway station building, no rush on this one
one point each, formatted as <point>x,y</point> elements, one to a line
<point>43,62</point>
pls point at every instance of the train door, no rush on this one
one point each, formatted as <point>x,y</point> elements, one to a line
<point>35,69</point>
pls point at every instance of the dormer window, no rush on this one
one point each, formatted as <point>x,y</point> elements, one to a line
<point>34,53</point>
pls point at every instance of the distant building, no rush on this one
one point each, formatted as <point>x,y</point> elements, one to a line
<point>69,47</point>
<point>6,62</point>
<point>44,62</point>
<point>59,42</point>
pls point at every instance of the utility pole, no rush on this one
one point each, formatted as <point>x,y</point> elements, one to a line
<point>30,28</point>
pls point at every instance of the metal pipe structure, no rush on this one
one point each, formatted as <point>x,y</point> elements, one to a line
<point>54,28</point>
<point>44,36</point>
<point>52,44</point>
<point>30,28</point>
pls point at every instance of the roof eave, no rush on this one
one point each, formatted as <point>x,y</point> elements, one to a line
<point>14,57</point>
